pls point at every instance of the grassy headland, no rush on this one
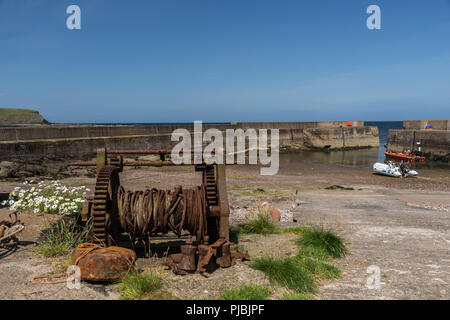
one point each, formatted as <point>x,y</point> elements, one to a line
<point>20,116</point>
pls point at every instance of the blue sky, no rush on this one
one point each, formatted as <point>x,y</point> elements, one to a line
<point>226,60</point>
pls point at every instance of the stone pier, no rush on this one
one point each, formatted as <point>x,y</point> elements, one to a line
<point>60,144</point>
<point>433,135</point>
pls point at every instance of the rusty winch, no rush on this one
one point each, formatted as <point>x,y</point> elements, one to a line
<point>202,212</point>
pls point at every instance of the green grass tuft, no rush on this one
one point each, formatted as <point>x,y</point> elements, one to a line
<point>62,237</point>
<point>318,268</point>
<point>320,239</point>
<point>296,230</point>
<point>257,191</point>
<point>287,272</point>
<point>247,292</point>
<point>300,273</point>
<point>262,224</point>
<point>49,249</point>
<point>139,286</point>
<point>304,271</point>
<point>296,296</point>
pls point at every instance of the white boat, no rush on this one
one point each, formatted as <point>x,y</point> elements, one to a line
<point>387,169</point>
<point>390,169</point>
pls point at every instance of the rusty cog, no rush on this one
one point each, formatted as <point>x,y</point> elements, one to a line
<point>209,181</point>
<point>106,229</point>
<point>212,199</point>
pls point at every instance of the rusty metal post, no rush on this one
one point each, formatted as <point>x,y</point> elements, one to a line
<point>101,159</point>
<point>224,227</point>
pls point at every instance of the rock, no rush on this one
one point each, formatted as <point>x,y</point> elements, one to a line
<point>52,168</point>
<point>336,187</point>
<point>274,213</point>
<point>104,264</point>
<point>7,169</point>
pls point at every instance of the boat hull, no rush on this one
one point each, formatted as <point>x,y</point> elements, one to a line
<point>386,170</point>
<point>404,157</point>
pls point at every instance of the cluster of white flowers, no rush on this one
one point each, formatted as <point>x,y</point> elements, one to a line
<point>47,197</point>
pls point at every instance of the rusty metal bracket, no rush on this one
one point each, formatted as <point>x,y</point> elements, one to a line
<point>210,257</point>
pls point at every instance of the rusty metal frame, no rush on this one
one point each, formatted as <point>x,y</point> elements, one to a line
<point>194,256</point>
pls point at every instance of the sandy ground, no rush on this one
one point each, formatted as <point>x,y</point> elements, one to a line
<point>402,226</point>
<point>409,245</point>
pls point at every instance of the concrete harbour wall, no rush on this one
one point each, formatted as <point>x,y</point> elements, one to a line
<point>89,131</point>
<point>73,142</point>
<point>423,124</point>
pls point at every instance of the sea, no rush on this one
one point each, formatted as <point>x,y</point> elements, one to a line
<point>363,158</point>
<point>383,131</point>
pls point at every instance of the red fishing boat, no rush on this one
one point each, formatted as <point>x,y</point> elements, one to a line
<point>404,156</point>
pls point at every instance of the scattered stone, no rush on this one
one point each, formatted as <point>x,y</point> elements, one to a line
<point>437,207</point>
<point>275,213</point>
<point>336,187</point>
<point>45,168</point>
<point>238,214</point>
<point>287,216</point>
